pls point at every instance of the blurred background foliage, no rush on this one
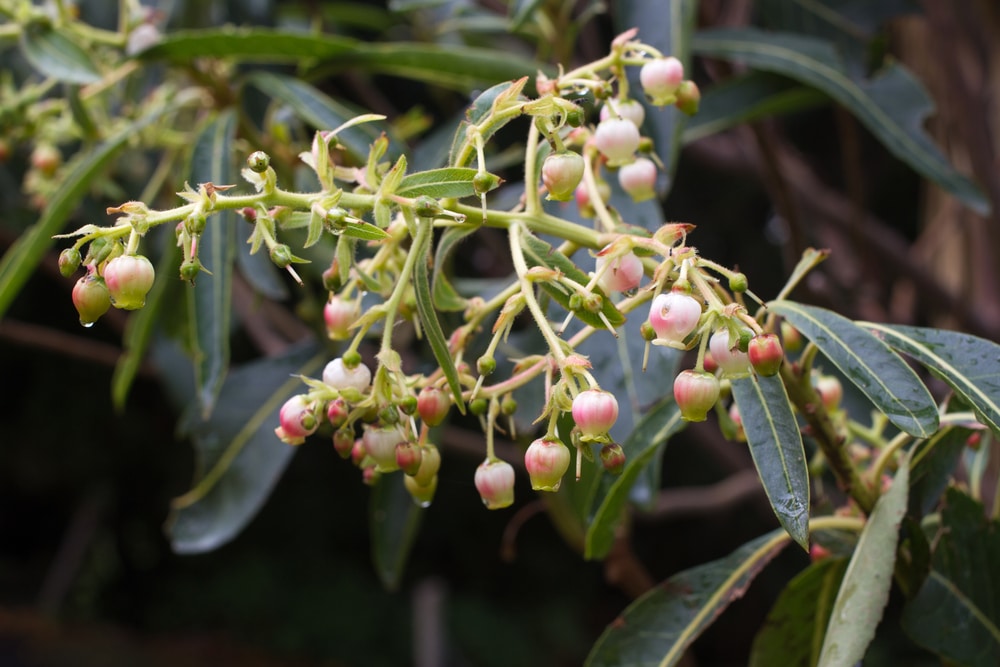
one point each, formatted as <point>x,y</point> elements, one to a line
<point>87,575</point>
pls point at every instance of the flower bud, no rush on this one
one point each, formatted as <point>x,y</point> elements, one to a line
<point>422,494</point>
<point>258,162</point>
<point>696,393</point>
<point>69,262</point>
<point>830,391</point>
<point>561,174</point>
<point>622,274</point>
<point>281,255</point>
<point>380,444</point>
<point>638,179</point>
<point>486,364</point>
<point>728,356</point>
<point>547,461</point>
<point>408,457</point>
<point>765,354</point>
<point>673,317</point>
<point>430,463</point>
<point>343,442</point>
<point>660,79</point>
<point>617,140</point>
<point>630,110</point>
<point>340,315</point>
<point>91,298</point>
<point>297,420</point>
<point>495,483</point>
<point>791,337</point>
<point>433,405</point>
<point>338,375</point>
<point>688,97</point>
<point>595,412</point>
<point>46,158</point>
<point>613,458</point>
<point>129,278</point>
<point>337,411</point>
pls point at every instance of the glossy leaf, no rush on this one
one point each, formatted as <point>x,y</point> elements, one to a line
<point>968,364</point>
<point>776,446</point>
<point>395,523</point>
<point>934,463</point>
<point>210,298</point>
<point>658,628</point>
<point>248,44</point>
<point>888,382</point>
<point>239,457</point>
<point>746,98</point>
<point>438,183</point>
<point>649,437</point>
<point>956,613</point>
<point>893,105</point>
<point>23,256</point>
<point>864,591</point>
<point>55,55</point>
<point>793,631</point>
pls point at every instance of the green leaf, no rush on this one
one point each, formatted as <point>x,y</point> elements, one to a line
<point>438,183</point>
<point>657,628</point>
<point>239,457</point>
<point>793,631</point>
<point>776,446</point>
<point>19,262</point>
<point>746,98</point>
<point>956,613</point>
<point>864,591</point>
<point>893,106</point>
<point>260,45</point>
<point>490,102</point>
<point>934,462</point>
<point>649,437</point>
<point>967,364</point>
<point>395,522</point>
<point>521,12</point>
<point>55,55</point>
<point>428,317</point>
<point>364,231</point>
<point>210,298</point>
<point>539,253</point>
<point>878,372</point>
<point>318,109</point>
<point>445,296</point>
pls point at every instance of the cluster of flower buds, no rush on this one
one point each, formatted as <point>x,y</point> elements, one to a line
<point>113,278</point>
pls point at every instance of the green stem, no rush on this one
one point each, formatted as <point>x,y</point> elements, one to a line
<point>418,252</point>
<point>521,267</point>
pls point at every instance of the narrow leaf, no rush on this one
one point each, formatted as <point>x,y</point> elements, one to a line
<point>395,522</point>
<point>956,613</point>
<point>967,364</point>
<point>878,372</point>
<point>445,296</point>
<point>491,102</point>
<point>239,456</point>
<point>776,446</point>
<point>934,463</point>
<point>364,231</point>
<point>437,183</point>
<point>657,628</point>
<point>248,44</point>
<point>793,631</point>
<point>893,105</point>
<point>209,299</point>
<point>54,55</point>
<point>649,437</point>
<point>864,591</point>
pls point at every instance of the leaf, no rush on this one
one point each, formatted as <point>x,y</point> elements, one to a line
<point>438,183</point>
<point>933,467</point>
<point>657,628</point>
<point>445,296</point>
<point>491,102</point>
<point>746,98</point>
<point>521,13</point>
<point>956,613</point>
<point>210,298</point>
<point>776,446</point>
<point>318,109</point>
<point>878,372</point>
<point>19,262</point>
<point>248,44</point>
<point>794,628</point>
<point>428,317</point>
<point>365,231</point>
<point>667,26</point>
<point>239,456</point>
<point>892,105</point>
<point>54,55</point>
<point>864,591</point>
<point>647,440</point>
<point>967,364</point>
<point>395,522</point>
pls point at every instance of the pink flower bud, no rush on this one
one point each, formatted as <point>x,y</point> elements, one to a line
<point>129,278</point>
<point>339,376</point>
<point>408,457</point>
<point>380,444</point>
<point>547,461</point>
<point>765,354</point>
<point>340,315</point>
<point>696,393</point>
<point>495,484</point>
<point>613,458</point>
<point>638,179</point>
<point>617,139</point>
<point>830,391</point>
<point>660,79</point>
<point>91,298</point>
<point>561,173</point>
<point>595,412</point>
<point>733,362</point>
<point>337,411</point>
<point>433,405</point>
<point>621,274</point>
<point>630,110</point>
<point>673,317</point>
<point>297,420</point>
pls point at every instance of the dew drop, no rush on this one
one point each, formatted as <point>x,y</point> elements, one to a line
<point>86,325</point>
